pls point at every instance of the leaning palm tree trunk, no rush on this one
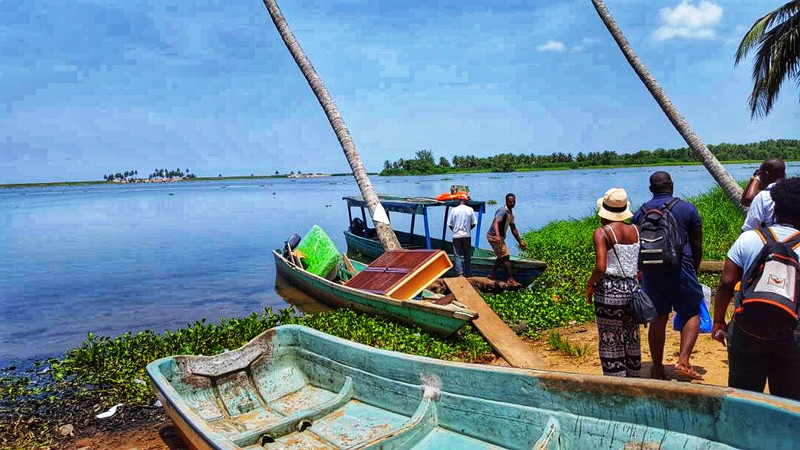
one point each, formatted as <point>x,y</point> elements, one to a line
<point>717,170</point>
<point>384,230</point>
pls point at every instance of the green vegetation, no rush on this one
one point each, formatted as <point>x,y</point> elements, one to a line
<point>109,370</point>
<point>424,161</point>
<point>558,342</point>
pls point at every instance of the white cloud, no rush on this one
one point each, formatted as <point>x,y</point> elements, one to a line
<point>689,21</point>
<point>552,46</point>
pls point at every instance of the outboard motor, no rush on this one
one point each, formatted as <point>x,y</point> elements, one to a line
<point>358,227</point>
<point>293,242</point>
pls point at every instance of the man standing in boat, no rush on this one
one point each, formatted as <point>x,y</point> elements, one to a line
<point>503,220</point>
<point>461,222</point>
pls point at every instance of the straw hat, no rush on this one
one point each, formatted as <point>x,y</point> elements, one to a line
<point>614,205</point>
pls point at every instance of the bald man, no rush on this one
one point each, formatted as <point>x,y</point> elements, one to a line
<point>762,208</point>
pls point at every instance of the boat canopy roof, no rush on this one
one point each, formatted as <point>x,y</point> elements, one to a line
<point>410,205</point>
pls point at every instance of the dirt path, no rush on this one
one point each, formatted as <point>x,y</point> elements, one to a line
<point>709,358</point>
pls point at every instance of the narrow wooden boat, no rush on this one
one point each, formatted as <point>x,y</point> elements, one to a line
<point>361,240</point>
<point>440,319</point>
<point>296,388</point>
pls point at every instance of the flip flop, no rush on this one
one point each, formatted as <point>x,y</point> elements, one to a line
<point>686,372</point>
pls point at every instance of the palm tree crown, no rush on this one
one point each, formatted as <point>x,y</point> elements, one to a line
<point>777,37</point>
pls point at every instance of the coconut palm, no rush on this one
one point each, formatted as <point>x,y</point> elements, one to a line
<point>778,55</point>
<point>384,230</point>
<point>717,170</point>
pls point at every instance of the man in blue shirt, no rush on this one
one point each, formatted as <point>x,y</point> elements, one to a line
<point>679,290</point>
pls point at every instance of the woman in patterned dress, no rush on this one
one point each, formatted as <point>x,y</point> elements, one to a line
<point>616,246</point>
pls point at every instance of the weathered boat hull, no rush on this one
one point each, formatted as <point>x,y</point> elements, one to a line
<point>444,320</point>
<point>525,270</point>
<point>299,388</point>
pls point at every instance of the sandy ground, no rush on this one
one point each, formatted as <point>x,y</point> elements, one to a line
<point>709,358</point>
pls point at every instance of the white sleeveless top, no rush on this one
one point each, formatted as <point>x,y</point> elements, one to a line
<point>626,261</point>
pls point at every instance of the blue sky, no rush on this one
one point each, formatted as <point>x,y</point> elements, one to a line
<point>93,87</point>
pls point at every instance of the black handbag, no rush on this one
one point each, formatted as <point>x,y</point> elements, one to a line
<point>642,308</point>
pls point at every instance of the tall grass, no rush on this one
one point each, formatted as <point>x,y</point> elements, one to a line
<point>558,296</point>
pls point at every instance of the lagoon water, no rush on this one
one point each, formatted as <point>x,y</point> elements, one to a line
<point>109,259</point>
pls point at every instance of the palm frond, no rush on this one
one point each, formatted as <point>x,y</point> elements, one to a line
<point>777,39</point>
<point>756,32</point>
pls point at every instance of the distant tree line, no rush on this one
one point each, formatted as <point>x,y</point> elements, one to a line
<point>425,163</point>
<point>130,175</point>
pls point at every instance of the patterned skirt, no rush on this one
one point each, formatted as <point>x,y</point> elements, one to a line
<point>618,335</point>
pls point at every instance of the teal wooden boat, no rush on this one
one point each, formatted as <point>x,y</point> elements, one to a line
<point>440,319</point>
<point>362,240</point>
<point>295,388</point>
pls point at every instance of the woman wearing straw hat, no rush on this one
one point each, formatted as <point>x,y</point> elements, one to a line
<point>616,246</point>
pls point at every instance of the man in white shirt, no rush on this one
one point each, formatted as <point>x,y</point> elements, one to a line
<point>754,361</point>
<point>761,212</point>
<point>461,222</point>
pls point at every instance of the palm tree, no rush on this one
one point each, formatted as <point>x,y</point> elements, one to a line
<point>384,230</point>
<point>778,55</point>
<point>717,170</point>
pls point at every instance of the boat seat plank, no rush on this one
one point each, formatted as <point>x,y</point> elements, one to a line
<point>500,337</point>
<point>291,422</point>
<point>424,420</point>
<point>357,422</point>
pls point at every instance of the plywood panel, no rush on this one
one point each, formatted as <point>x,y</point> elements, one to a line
<point>402,274</point>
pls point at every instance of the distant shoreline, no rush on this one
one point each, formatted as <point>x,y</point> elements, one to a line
<point>235,177</point>
<point>257,177</point>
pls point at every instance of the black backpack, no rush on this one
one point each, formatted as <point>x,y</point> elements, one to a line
<point>660,241</point>
<point>766,305</point>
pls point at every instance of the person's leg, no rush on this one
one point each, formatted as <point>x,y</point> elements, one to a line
<point>497,247</point>
<point>507,266</point>
<point>656,336</point>
<point>610,345</point>
<point>458,255</point>
<point>467,249</point>
<point>633,348</point>
<point>658,287</point>
<point>784,370</point>
<point>686,299</point>
<point>689,333</point>
<point>748,362</point>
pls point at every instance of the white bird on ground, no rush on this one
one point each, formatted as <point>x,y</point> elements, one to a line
<point>109,413</point>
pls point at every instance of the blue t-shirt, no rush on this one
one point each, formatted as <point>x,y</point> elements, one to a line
<point>685,214</point>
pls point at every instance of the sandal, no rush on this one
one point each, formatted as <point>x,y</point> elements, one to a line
<point>687,372</point>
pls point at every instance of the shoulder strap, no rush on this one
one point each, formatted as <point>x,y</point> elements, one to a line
<point>616,241</point>
<point>671,203</point>
<point>793,240</point>
<point>763,236</point>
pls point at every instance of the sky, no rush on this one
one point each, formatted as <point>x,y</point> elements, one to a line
<point>94,87</point>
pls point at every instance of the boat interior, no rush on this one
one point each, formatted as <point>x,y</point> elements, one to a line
<point>293,392</point>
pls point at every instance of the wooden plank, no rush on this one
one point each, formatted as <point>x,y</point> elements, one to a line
<point>708,266</point>
<point>500,337</point>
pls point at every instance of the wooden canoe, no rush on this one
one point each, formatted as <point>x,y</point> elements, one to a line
<point>440,319</point>
<point>295,388</point>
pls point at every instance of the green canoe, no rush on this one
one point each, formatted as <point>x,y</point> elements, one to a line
<point>440,319</point>
<point>296,388</point>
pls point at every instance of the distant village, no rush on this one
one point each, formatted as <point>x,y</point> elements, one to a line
<point>168,176</point>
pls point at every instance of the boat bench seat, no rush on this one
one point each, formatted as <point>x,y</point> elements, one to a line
<point>298,419</point>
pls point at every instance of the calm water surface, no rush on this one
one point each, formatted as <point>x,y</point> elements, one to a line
<point>110,259</point>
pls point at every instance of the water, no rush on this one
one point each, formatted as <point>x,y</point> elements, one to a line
<point>110,259</point>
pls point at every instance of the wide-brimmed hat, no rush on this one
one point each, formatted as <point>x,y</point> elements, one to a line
<point>614,205</point>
